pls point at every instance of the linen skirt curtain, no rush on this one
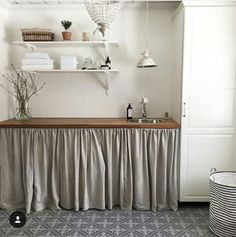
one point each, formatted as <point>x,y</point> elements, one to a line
<point>88,168</point>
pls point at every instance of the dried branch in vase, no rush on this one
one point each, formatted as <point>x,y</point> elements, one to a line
<point>22,85</point>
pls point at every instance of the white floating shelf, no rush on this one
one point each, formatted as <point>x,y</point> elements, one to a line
<point>32,46</point>
<point>106,72</point>
<point>66,43</point>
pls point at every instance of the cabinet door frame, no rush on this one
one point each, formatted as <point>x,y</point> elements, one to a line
<point>202,132</point>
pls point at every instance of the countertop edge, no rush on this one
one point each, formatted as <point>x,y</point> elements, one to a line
<point>68,123</point>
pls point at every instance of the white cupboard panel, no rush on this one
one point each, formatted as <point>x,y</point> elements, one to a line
<point>214,67</point>
<point>213,47</point>
<point>211,108</point>
<point>203,153</point>
<point>209,85</point>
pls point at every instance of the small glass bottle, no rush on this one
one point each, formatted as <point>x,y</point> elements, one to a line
<point>108,62</point>
<point>129,112</point>
<point>88,63</point>
<point>166,115</point>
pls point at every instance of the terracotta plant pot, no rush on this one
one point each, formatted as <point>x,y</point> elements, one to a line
<point>66,35</point>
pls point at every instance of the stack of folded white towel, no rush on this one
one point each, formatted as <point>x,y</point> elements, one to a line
<point>68,63</point>
<point>36,61</point>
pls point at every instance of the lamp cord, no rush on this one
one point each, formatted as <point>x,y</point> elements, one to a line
<point>147,8</point>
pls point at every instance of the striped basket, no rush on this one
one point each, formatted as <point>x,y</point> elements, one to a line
<point>222,217</point>
<point>37,36</point>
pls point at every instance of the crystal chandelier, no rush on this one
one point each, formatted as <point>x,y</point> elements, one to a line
<point>102,12</point>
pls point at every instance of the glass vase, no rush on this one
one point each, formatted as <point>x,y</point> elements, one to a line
<point>23,110</point>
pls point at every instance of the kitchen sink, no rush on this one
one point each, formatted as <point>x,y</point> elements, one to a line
<point>146,120</point>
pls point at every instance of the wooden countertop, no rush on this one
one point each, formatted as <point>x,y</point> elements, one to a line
<point>84,123</point>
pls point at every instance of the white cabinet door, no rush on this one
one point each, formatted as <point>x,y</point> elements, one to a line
<point>209,108</point>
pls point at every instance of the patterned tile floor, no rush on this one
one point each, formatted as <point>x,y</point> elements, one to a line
<point>191,220</point>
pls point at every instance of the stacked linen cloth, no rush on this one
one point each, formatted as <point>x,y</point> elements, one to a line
<point>36,61</point>
<point>68,63</point>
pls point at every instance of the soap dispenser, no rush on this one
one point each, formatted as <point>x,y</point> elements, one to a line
<point>108,62</point>
<point>129,112</point>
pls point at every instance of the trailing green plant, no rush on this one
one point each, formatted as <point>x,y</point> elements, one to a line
<point>66,24</point>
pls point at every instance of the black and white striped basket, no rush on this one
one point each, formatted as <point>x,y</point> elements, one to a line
<point>222,216</point>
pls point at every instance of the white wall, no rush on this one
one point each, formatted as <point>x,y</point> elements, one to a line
<point>178,64</point>
<point>5,100</point>
<point>83,95</point>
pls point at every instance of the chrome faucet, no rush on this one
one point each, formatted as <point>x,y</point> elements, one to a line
<point>144,100</point>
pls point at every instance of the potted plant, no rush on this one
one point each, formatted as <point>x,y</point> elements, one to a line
<point>66,34</point>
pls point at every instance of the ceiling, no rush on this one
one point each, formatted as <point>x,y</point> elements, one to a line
<point>62,3</point>
<point>17,2</point>
<point>42,2</point>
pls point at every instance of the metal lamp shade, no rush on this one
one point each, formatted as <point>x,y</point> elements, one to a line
<point>146,60</point>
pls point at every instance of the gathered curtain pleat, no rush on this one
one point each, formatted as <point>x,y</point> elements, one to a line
<point>88,168</point>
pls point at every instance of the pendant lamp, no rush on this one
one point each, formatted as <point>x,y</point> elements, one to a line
<point>102,12</point>
<point>146,61</point>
